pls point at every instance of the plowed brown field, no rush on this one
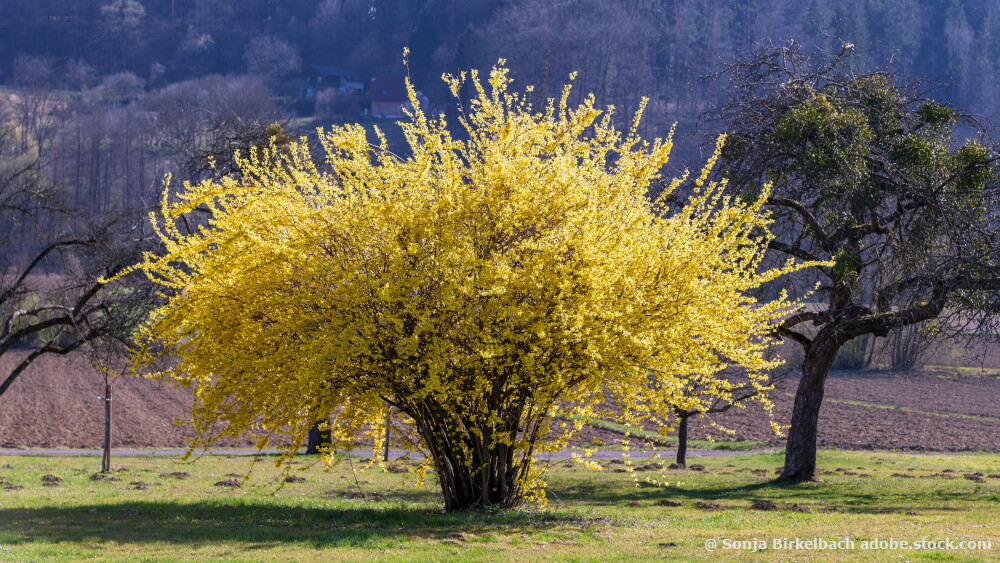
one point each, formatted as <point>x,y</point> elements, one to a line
<point>55,404</point>
<point>917,411</point>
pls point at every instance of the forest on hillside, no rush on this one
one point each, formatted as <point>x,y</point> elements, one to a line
<point>624,49</point>
<point>100,99</point>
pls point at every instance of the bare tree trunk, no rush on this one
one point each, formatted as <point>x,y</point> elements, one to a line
<point>682,439</point>
<point>388,430</point>
<point>800,452</point>
<point>106,460</point>
<point>473,472</point>
<point>316,439</point>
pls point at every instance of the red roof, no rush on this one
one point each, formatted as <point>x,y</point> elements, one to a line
<point>387,89</point>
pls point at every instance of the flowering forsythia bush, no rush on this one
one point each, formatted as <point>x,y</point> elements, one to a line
<point>484,286</point>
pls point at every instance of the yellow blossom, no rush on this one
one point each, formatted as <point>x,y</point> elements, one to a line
<point>478,285</point>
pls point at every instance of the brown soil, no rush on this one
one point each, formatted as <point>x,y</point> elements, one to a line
<point>928,392</point>
<point>55,404</point>
<point>917,411</point>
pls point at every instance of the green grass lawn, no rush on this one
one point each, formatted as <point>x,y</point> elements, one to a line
<point>364,515</point>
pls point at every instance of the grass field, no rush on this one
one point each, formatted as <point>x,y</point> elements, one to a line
<point>160,509</point>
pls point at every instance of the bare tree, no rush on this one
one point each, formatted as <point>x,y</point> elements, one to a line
<point>271,58</point>
<point>55,302</point>
<point>743,391</point>
<point>51,262</point>
<point>109,349</point>
<point>610,44</point>
<point>908,347</point>
<point>202,123</point>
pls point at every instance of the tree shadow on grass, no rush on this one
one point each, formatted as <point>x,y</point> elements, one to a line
<point>259,525</point>
<point>828,496</point>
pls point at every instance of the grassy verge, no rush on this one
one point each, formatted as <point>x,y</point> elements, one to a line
<point>914,411</point>
<point>345,514</point>
<point>968,371</point>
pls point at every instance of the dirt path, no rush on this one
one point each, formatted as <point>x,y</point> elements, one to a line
<point>393,454</point>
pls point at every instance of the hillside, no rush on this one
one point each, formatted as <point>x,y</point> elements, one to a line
<point>55,403</point>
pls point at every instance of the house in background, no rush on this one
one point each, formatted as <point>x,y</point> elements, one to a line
<point>321,77</point>
<point>387,97</point>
